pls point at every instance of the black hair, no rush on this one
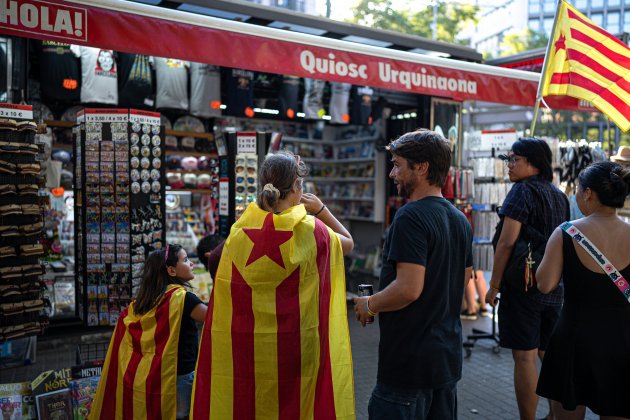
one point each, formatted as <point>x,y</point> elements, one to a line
<point>609,180</point>
<point>280,169</point>
<point>155,278</point>
<point>207,244</point>
<point>425,146</point>
<point>538,154</point>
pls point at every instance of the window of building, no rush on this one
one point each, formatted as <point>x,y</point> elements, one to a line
<point>598,19</point>
<point>581,5</point>
<point>614,3</point>
<point>534,24</point>
<point>547,25</point>
<point>534,7</point>
<point>626,21</point>
<point>597,4</point>
<point>612,22</point>
<point>550,6</point>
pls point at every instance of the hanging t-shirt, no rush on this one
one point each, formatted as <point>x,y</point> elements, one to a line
<point>362,105</point>
<point>313,104</point>
<point>135,81</point>
<point>172,83</point>
<point>205,90</point>
<point>59,72</point>
<point>99,75</point>
<point>240,92</point>
<point>289,96</point>
<point>340,94</point>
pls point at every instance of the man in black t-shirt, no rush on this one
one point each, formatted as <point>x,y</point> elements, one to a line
<point>427,260</point>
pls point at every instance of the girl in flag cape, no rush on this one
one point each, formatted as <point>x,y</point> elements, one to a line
<point>149,367</point>
<point>275,342</point>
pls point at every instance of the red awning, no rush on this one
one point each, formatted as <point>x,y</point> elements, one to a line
<point>138,28</point>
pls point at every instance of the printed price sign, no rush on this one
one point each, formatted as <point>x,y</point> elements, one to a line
<point>106,115</point>
<point>224,197</point>
<point>498,139</point>
<point>14,111</point>
<point>246,143</point>
<point>144,117</point>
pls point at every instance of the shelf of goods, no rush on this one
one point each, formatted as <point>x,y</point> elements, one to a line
<point>491,186</point>
<point>22,310</point>
<point>346,172</point>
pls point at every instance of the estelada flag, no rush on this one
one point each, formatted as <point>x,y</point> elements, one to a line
<point>275,342</point>
<point>586,62</point>
<point>139,379</point>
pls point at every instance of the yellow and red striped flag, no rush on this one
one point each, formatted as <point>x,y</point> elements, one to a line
<point>586,62</point>
<point>275,343</point>
<point>139,379</point>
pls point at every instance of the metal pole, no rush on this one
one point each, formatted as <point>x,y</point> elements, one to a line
<point>533,126</point>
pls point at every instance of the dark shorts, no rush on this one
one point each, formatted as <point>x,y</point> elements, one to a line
<point>390,403</point>
<point>524,323</point>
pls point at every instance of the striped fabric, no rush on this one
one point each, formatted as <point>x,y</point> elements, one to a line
<point>588,63</point>
<point>275,343</point>
<point>139,379</point>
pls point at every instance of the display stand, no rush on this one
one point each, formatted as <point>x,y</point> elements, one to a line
<point>119,207</point>
<point>21,210</point>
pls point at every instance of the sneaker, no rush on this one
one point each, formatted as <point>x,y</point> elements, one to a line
<point>485,312</point>
<point>466,315</point>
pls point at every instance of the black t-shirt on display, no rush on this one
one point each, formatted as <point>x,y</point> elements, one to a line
<point>361,112</point>
<point>60,72</point>
<point>135,80</point>
<point>289,96</point>
<point>240,92</point>
<point>188,337</point>
<point>421,344</point>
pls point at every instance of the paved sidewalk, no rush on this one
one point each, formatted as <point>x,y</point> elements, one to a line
<point>485,391</point>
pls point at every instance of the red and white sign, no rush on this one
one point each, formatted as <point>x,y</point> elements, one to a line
<point>126,28</point>
<point>55,21</point>
<point>144,117</point>
<point>106,115</point>
<point>245,143</point>
<point>16,112</point>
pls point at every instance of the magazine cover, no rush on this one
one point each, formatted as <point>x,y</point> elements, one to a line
<point>54,405</point>
<point>83,392</point>
<point>16,401</point>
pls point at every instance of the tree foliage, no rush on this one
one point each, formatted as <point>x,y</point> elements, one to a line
<point>517,42</point>
<point>414,19</point>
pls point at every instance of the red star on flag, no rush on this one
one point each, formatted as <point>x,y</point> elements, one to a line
<point>267,241</point>
<point>560,43</point>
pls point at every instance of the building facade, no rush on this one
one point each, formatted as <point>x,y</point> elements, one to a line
<point>612,15</point>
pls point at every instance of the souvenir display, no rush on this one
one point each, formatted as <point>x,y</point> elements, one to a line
<point>120,209</point>
<point>23,307</point>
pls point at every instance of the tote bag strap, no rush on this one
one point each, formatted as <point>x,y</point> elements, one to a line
<point>609,269</point>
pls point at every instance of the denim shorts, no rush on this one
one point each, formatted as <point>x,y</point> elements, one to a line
<point>390,403</point>
<point>184,393</point>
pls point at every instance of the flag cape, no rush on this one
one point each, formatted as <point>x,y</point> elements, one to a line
<point>139,379</point>
<point>588,63</point>
<point>275,343</point>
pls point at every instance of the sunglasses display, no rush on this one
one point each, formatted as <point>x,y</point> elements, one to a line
<point>246,179</point>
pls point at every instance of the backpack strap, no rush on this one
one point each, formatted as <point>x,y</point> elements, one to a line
<point>609,269</point>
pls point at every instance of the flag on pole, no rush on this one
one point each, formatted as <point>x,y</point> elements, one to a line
<point>275,343</point>
<point>586,62</point>
<point>139,379</point>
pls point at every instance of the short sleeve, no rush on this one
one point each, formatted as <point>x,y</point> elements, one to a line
<point>76,50</point>
<point>517,203</point>
<point>190,302</point>
<point>408,241</point>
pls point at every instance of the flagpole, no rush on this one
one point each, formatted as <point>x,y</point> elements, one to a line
<point>544,69</point>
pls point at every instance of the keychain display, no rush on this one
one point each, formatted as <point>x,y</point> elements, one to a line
<point>121,201</point>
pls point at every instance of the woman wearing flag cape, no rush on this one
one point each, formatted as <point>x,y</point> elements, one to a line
<point>150,362</point>
<point>275,343</point>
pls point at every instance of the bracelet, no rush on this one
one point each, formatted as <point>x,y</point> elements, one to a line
<point>320,210</point>
<point>367,308</point>
<point>495,287</point>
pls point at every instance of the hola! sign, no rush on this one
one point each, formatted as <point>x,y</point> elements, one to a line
<point>57,21</point>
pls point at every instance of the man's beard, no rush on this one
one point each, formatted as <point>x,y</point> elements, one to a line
<point>405,189</point>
